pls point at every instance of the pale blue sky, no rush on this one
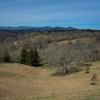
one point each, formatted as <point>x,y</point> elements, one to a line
<point>75,13</point>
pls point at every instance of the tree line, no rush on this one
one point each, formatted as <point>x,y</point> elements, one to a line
<point>27,57</point>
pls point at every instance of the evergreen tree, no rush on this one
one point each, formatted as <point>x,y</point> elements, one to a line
<point>6,58</point>
<point>0,59</point>
<point>36,58</point>
<point>24,54</point>
<point>31,57</point>
<point>28,58</point>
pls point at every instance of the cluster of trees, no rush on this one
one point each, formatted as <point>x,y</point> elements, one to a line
<point>30,57</point>
<point>41,40</point>
<point>24,37</point>
<point>69,58</point>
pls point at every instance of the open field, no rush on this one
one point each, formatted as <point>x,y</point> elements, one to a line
<point>22,82</point>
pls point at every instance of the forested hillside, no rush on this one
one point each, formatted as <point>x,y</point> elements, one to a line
<point>57,48</point>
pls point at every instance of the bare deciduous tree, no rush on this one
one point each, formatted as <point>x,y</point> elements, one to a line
<point>64,56</point>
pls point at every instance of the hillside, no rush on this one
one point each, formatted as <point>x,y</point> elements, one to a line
<point>22,82</point>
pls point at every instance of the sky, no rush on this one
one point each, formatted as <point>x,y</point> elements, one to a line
<point>64,13</point>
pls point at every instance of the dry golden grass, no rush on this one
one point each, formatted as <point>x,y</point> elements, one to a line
<point>21,82</point>
<point>75,40</point>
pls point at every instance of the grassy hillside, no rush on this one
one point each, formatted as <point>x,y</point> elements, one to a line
<point>22,82</point>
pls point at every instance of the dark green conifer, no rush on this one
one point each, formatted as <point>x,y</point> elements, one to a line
<point>7,58</point>
<point>36,58</point>
<point>23,56</point>
<point>31,57</point>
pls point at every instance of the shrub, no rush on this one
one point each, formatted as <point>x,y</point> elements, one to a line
<point>94,79</point>
<point>87,70</point>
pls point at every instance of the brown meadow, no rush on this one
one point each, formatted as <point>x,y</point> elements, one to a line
<point>22,82</point>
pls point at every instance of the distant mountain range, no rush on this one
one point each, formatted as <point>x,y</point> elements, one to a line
<point>37,28</point>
